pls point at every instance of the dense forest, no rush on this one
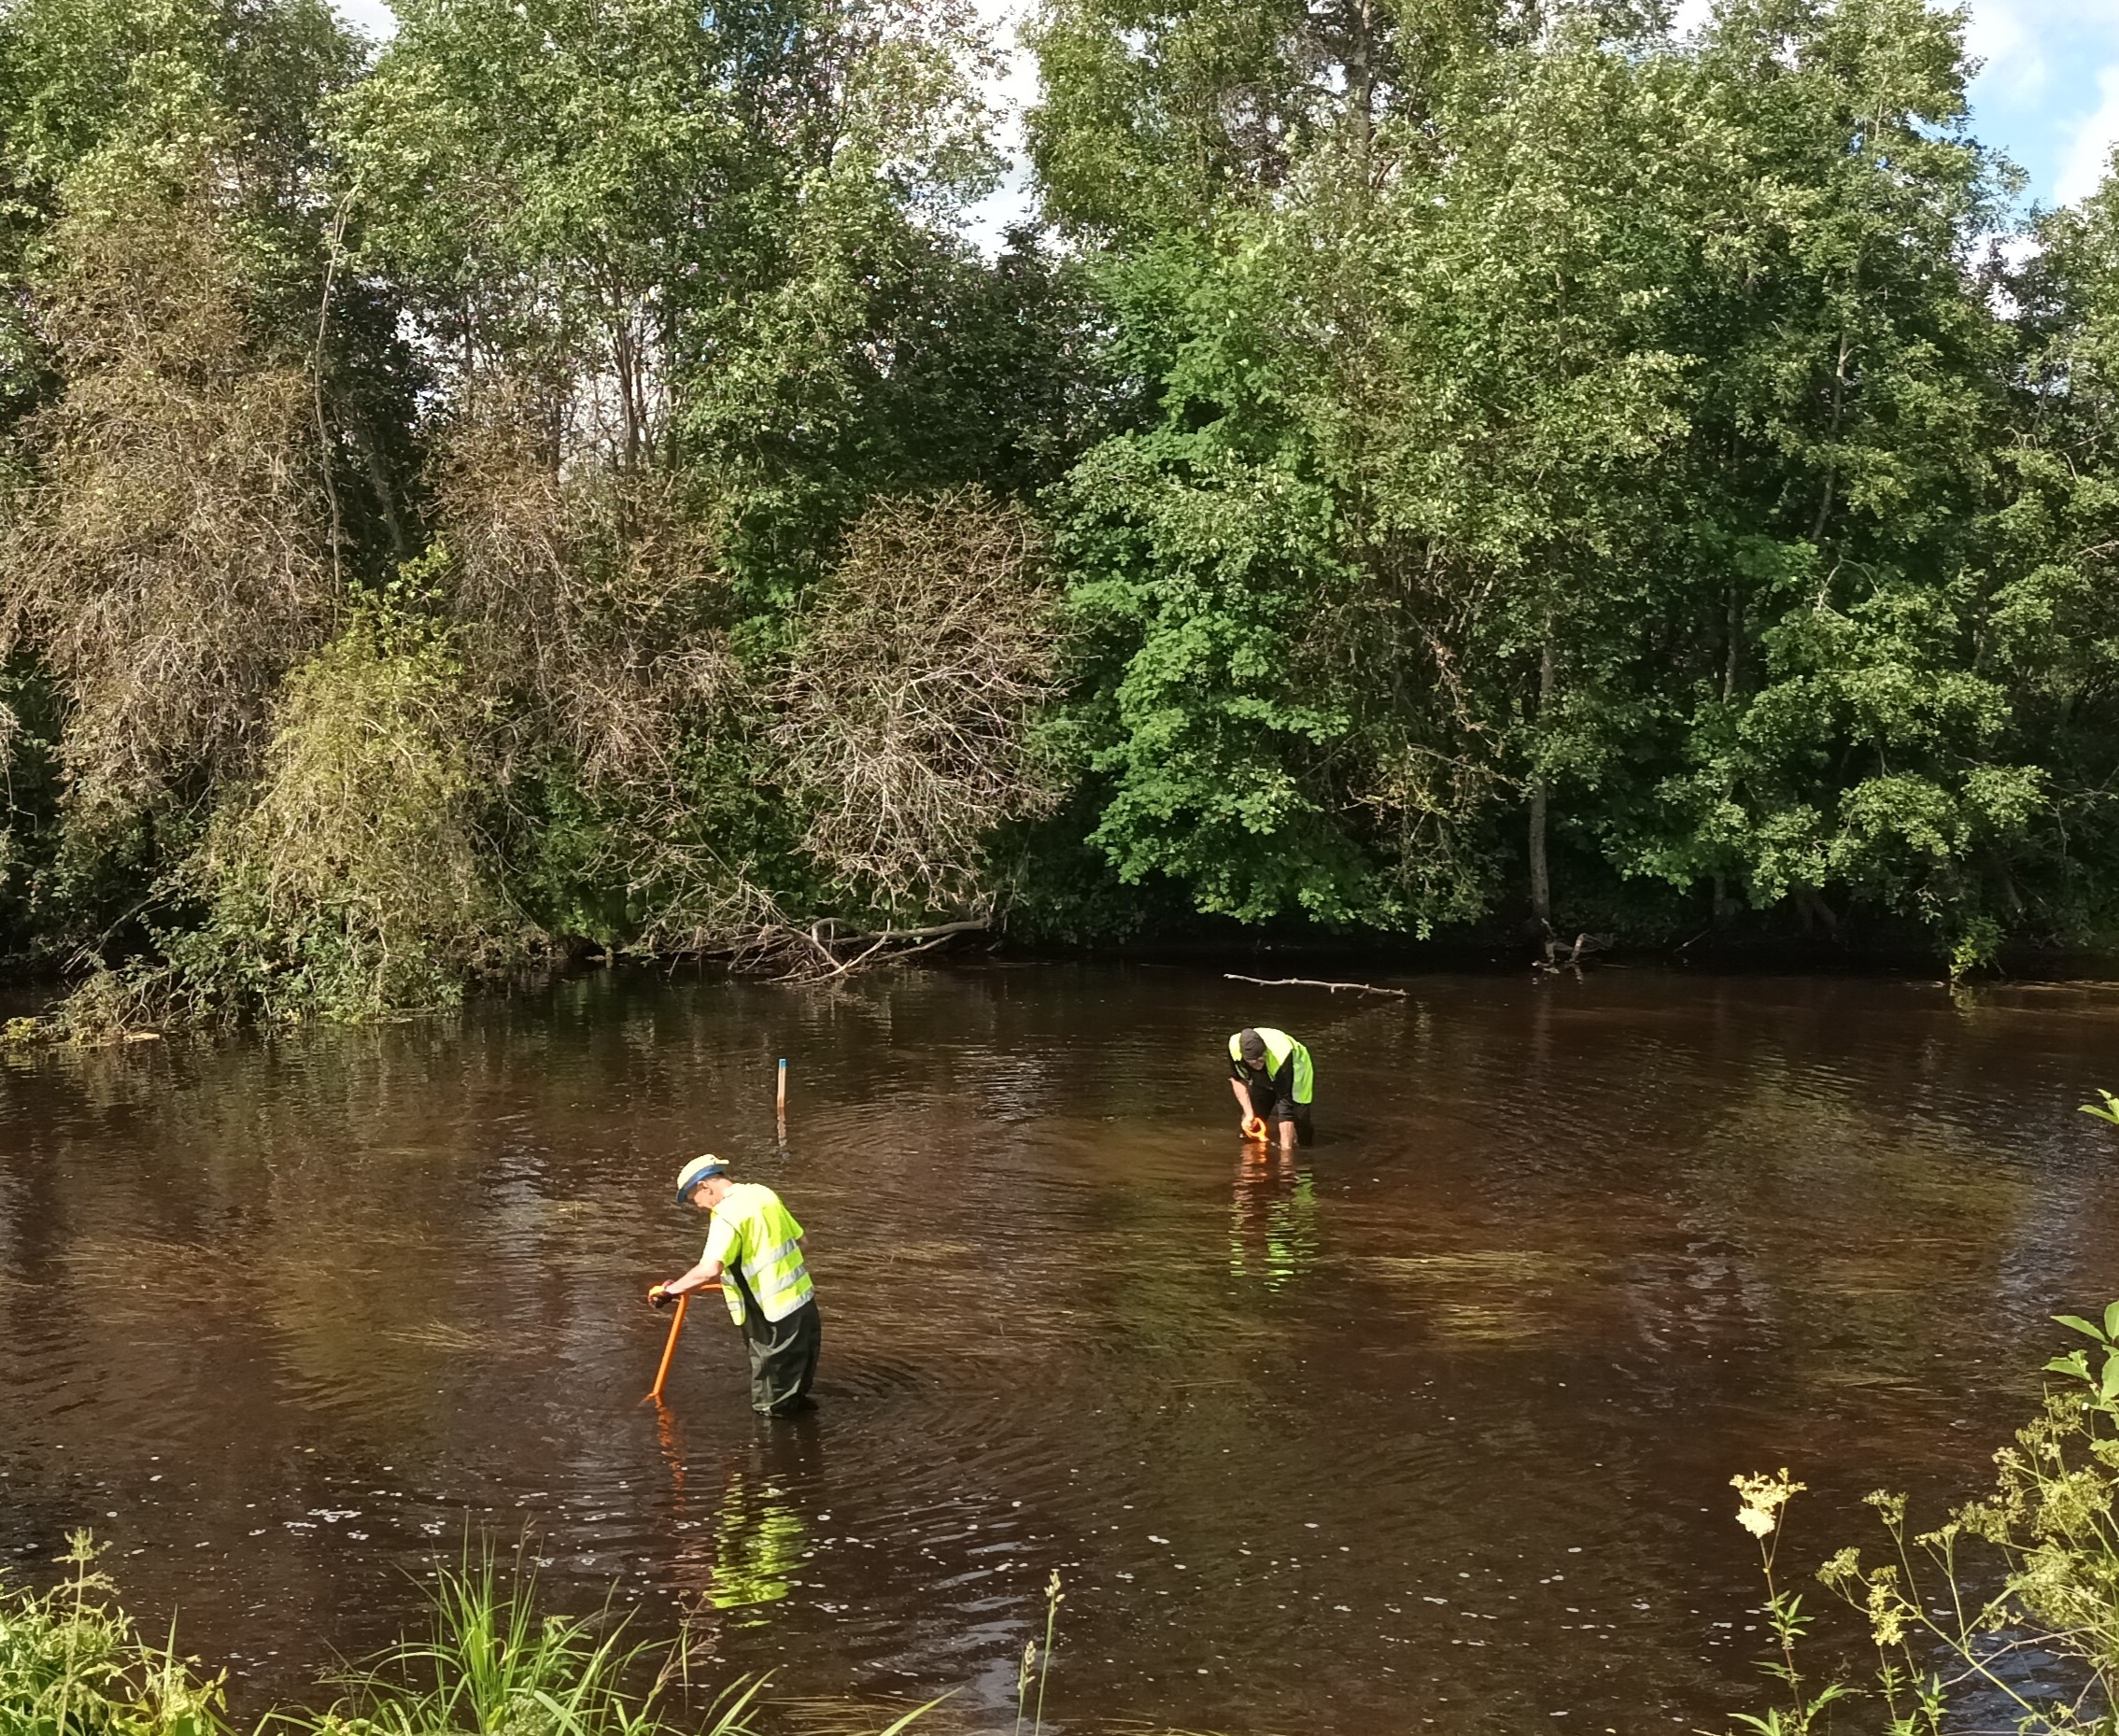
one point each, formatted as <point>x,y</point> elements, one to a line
<point>563,481</point>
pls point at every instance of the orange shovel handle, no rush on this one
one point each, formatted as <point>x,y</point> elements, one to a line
<point>1253,1128</point>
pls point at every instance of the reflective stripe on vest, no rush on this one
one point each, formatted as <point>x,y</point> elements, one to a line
<point>767,1255</point>
<point>1278,1047</point>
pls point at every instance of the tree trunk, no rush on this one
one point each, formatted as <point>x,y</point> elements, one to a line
<point>1541,874</point>
<point>1541,878</point>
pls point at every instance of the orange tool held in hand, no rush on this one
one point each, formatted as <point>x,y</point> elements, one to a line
<point>1254,1127</point>
<point>670,1348</point>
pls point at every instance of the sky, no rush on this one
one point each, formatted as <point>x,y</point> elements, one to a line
<point>2047,96</point>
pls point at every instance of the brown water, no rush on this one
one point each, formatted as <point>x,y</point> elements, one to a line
<point>1431,1428</point>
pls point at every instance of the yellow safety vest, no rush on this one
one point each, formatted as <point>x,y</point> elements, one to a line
<point>1278,1047</point>
<point>756,1237</point>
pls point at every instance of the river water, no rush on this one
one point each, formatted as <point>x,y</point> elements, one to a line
<point>1431,1427</point>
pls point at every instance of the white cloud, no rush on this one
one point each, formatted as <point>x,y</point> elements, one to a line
<point>2089,153</point>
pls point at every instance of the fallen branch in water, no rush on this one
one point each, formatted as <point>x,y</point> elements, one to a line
<point>824,951</point>
<point>1312,983</point>
<point>1560,956</point>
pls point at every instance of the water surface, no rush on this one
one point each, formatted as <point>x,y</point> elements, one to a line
<point>1432,1427</point>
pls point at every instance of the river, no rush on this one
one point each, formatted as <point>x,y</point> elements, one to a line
<point>1432,1427</point>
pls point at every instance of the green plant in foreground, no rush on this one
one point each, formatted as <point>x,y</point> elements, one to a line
<point>1034,1659</point>
<point>493,1666</point>
<point>2106,1111</point>
<point>2036,1629</point>
<point>72,1665</point>
<point>1763,1498</point>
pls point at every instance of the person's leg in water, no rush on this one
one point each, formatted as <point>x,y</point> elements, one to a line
<point>1290,1124</point>
<point>784,1360</point>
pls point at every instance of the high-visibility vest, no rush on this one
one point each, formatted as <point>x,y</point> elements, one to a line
<point>757,1240</point>
<point>1278,1047</point>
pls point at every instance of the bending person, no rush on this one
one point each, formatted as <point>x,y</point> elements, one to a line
<point>1270,1074</point>
<point>755,1249</point>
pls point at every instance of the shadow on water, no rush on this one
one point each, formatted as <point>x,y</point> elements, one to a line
<point>1428,1423</point>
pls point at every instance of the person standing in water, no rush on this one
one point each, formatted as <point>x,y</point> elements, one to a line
<point>754,1247</point>
<point>1270,1074</point>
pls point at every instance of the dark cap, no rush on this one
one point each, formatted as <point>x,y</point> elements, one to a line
<point>1252,1045</point>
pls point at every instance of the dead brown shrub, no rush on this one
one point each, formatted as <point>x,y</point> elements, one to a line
<point>907,702</point>
<point>168,562</point>
<point>586,598</point>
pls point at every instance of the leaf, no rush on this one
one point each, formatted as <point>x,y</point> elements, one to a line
<point>2111,1321</point>
<point>2109,1388</point>
<point>2074,1322</point>
<point>917,1712</point>
<point>2075,1363</point>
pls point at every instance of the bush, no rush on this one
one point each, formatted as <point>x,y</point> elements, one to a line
<point>353,877</point>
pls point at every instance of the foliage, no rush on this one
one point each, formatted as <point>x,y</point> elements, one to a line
<point>353,877</point>
<point>71,1664</point>
<point>493,1664</point>
<point>1451,468</point>
<point>167,566</point>
<point>2035,1635</point>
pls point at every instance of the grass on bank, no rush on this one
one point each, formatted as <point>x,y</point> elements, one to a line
<point>73,1663</point>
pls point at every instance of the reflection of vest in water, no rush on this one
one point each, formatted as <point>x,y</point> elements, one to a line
<point>1279,1046</point>
<point>766,1255</point>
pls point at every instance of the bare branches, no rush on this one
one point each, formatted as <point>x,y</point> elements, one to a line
<point>1560,956</point>
<point>1312,983</point>
<point>589,601</point>
<point>827,950</point>
<point>906,706</point>
<point>168,564</point>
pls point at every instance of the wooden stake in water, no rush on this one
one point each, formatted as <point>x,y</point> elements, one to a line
<point>782,1100</point>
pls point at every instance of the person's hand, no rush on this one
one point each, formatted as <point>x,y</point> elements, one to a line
<point>657,1295</point>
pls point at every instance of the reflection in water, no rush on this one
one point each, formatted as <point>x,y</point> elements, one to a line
<point>749,1542</point>
<point>1272,1220</point>
<point>1433,1421</point>
<point>758,1545</point>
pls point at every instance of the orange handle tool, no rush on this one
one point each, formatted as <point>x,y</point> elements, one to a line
<point>1253,1128</point>
<point>668,1351</point>
<point>670,1348</point>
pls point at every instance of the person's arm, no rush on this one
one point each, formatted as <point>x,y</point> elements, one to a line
<point>699,1278</point>
<point>720,1249</point>
<point>1243,1101</point>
